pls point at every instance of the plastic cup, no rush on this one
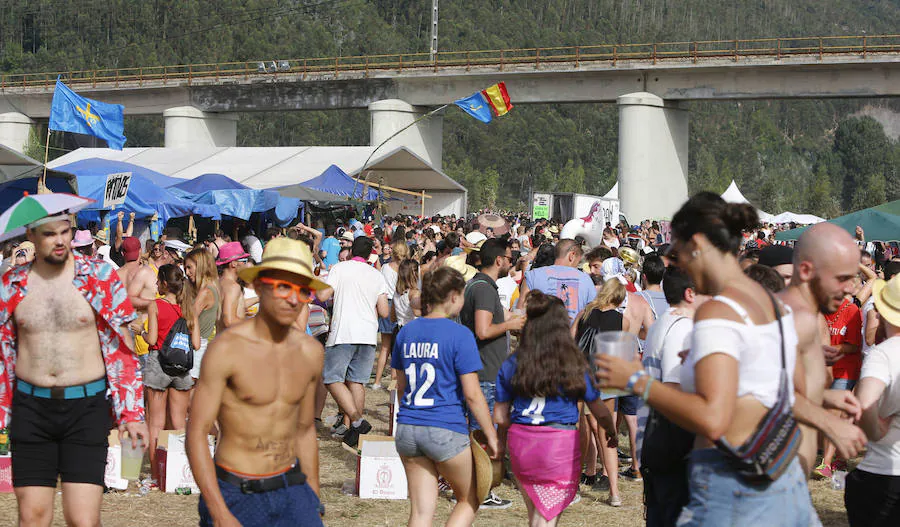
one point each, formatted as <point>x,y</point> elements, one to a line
<point>132,460</point>
<point>619,344</point>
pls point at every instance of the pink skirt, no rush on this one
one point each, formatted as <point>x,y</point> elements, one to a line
<point>547,463</point>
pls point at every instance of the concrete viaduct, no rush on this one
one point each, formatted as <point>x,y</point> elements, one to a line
<point>199,102</point>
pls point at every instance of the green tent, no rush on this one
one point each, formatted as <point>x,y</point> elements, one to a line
<point>881,223</point>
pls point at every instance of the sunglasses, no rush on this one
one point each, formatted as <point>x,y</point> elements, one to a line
<point>284,289</point>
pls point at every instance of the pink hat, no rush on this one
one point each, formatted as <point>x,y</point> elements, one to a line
<point>82,238</point>
<point>230,252</point>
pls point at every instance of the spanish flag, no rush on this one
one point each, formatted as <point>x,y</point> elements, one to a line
<point>484,105</point>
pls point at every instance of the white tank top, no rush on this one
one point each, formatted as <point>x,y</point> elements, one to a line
<point>756,347</point>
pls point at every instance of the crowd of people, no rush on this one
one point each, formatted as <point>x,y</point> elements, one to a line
<point>758,364</point>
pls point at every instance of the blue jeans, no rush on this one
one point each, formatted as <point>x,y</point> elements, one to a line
<point>720,497</point>
<point>296,505</point>
<point>489,389</point>
<point>843,384</point>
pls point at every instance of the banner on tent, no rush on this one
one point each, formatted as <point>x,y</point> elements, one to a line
<point>116,189</point>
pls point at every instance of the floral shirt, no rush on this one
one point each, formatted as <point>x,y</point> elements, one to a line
<point>103,290</point>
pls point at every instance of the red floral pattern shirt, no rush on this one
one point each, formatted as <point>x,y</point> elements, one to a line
<point>103,290</point>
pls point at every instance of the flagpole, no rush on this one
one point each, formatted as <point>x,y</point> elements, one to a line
<point>42,184</point>
<point>395,134</point>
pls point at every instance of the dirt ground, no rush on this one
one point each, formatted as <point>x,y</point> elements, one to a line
<point>127,509</point>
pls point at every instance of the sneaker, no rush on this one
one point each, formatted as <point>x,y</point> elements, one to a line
<point>839,464</point>
<point>576,499</point>
<point>623,457</point>
<point>632,474</point>
<point>443,486</point>
<point>351,438</point>
<point>495,502</point>
<point>338,432</point>
<point>377,386</point>
<point>823,471</point>
<point>588,480</point>
<point>615,501</point>
<point>602,483</point>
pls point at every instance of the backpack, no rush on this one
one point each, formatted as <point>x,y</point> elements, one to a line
<point>176,357</point>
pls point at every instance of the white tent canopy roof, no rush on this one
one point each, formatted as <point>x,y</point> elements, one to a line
<point>267,167</point>
<point>734,195</point>
<point>613,192</point>
<point>802,219</point>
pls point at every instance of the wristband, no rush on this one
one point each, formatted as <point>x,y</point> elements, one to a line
<point>646,394</point>
<point>635,377</point>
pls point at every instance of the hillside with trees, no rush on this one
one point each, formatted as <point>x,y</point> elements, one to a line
<point>823,157</point>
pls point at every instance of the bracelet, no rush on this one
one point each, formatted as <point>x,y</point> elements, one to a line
<point>635,377</point>
<point>646,394</point>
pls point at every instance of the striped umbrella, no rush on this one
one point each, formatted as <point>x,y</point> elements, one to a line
<point>30,209</point>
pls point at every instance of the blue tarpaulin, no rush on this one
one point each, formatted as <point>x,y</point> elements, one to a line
<point>234,199</point>
<point>146,193</point>
<point>336,181</point>
<point>12,191</point>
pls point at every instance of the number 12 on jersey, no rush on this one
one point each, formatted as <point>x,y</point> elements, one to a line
<point>416,395</point>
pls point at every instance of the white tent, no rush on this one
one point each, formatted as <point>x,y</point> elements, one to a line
<point>613,192</point>
<point>734,195</point>
<point>801,219</point>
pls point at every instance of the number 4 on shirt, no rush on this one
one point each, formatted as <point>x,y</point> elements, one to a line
<point>417,397</point>
<point>535,410</point>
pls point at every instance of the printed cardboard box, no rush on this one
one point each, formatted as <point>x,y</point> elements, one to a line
<point>112,478</point>
<point>6,474</point>
<point>172,461</point>
<point>380,474</point>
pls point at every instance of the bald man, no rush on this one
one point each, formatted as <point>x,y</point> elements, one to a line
<point>826,261</point>
<point>563,279</point>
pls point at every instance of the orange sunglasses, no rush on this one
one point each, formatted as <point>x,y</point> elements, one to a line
<point>283,289</point>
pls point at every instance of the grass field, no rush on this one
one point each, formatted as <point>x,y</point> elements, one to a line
<point>127,509</point>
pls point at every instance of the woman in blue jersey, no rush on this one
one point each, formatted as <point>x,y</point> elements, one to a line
<point>538,389</point>
<point>436,363</point>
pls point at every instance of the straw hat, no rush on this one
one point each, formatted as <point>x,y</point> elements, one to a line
<point>476,248</point>
<point>458,263</point>
<point>887,300</point>
<point>474,237</point>
<point>488,472</point>
<point>285,254</point>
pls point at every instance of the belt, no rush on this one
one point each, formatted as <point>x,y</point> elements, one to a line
<point>63,392</point>
<point>293,476</point>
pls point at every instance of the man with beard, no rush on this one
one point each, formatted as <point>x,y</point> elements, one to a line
<point>826,262</point>
<point>63,345</point>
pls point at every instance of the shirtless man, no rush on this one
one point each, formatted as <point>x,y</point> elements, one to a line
<point>259,381</point>
<point>231,260</point>
<point>63,344</point>
<point>826,262</point>
<point>139,279</point>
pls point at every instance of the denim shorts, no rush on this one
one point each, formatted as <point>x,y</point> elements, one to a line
<point>628,404</point>
<point>348,362</point>
<point>843,384</point>
<point>489,389</point>
<point>437,444</point>
<point>720,497</point>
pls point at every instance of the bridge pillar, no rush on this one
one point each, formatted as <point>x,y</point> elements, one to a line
<point>424,138</point>
<point>14,130</point>
<point>188,127</point>
<point>653,156</point>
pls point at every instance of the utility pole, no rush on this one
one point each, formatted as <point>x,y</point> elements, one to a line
<point>434,30</point>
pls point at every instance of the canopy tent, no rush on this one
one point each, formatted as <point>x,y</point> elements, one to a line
<point>613,192</point>
<point>335,181</point>
<point>146,193</point>
<point>12,191</point>
<point>734,195</point>
<point>313,197</point>
<point>800,219</point>
<point>234,199</point>
<point>279,167</point>
<point>881,223</point>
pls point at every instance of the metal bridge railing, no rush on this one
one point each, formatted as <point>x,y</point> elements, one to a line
<point>573,56</point>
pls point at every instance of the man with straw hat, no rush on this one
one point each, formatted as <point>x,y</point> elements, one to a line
<point>64,344</point>
<point>258,382</point>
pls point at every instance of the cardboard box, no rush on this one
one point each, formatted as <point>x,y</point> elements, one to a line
<point>380,474</point>
<point>172,461</point>
<point>112,478</point>
<point>6,474</point>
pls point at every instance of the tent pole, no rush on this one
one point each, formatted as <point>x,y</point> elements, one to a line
<point>423,203</point>
<point>42,182</point>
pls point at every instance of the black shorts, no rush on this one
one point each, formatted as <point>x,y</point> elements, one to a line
<point>59,438</point>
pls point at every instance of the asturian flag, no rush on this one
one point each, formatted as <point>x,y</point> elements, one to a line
<point>71,112</point>
<point>484,105</point>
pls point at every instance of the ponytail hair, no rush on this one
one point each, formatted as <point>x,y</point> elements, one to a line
<point>437,286</point>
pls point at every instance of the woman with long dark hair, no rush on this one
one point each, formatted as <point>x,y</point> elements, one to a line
<point>737,376</point>
<point>538,390</point>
